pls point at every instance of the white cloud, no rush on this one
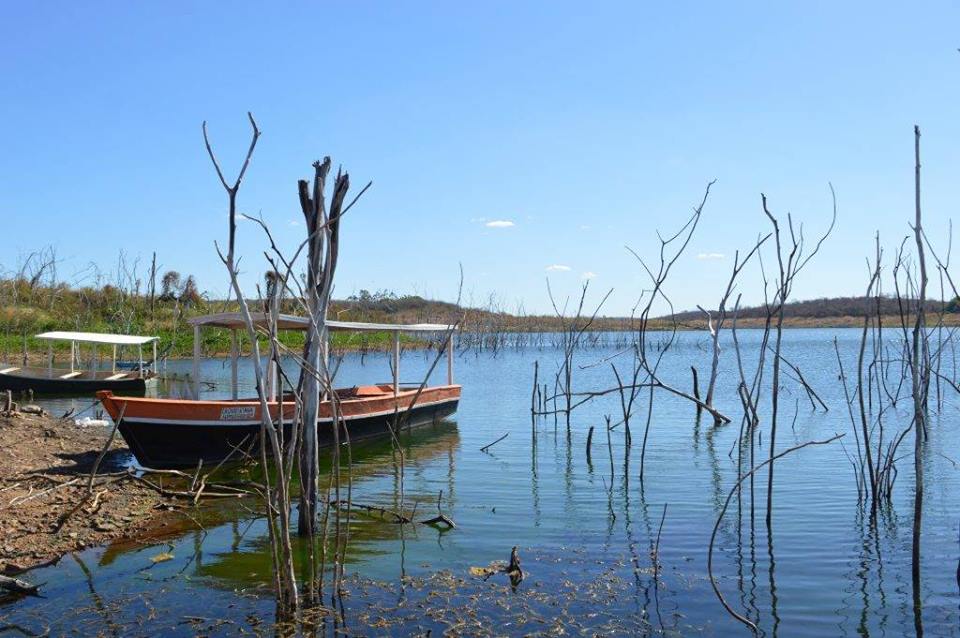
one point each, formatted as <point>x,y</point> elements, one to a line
<point>584,226</point>
<point>710,256</point>
<point>557,268</point>
<point>588,275</point>
<point>499,223</point>
<point>294,222</point>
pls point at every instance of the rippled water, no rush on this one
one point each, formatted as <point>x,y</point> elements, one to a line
<point>585,531</point>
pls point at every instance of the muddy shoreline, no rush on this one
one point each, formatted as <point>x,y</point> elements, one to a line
<point>47,507</point>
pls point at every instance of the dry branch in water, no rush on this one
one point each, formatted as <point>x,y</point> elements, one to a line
<point>723,510</point>
<point>490,445</point>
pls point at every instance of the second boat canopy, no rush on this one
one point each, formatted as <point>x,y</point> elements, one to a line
<point>235,322</point>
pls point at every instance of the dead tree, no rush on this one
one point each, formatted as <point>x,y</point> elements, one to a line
<point>571,338</point>
<point>919,375</point>
<point>790,261</point>
<point>323,229</point>
<point>722,317</point>
<point>153,286</point>
<point>277,494</point>
<point>646,358</point>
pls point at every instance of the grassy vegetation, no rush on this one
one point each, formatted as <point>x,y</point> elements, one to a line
<point>29,308</point>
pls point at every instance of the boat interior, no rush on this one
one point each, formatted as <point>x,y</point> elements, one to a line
<point>356,393</point>
<point>365,391</point>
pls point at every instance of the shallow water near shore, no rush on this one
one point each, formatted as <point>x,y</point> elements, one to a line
<point>586,531</point>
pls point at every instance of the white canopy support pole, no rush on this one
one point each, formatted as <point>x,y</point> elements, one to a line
<point>396,362</point>
<point>450,359</point>
<point>196,361</point>
<point>271,374</point>
<point>140,359</point>
<point>153,366</point>
<point>73,351</point>
<point>325,355</point>
<point>277,390</point>
<point>113,366</point>
<point>234,354</point>
<point>50,358</point>
<point>271,380</point>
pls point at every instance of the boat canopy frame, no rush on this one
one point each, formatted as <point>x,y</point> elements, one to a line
<point>235,321</point>
<point>99,338</point>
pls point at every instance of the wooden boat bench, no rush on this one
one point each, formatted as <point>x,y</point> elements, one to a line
<point>117,377</point>
<point>70,375</point>
<point>8,370</point>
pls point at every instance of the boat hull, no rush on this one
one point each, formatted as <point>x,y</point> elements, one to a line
<point>164,433</point>
<point>69,387</point>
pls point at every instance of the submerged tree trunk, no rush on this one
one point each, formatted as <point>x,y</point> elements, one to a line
<point>918,377</point>
<point>322,249</point>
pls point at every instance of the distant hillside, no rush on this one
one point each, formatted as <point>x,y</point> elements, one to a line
<point>824,309</point>
<point>409,308</point>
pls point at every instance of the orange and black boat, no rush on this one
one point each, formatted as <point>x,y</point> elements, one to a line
<point>182,432</point>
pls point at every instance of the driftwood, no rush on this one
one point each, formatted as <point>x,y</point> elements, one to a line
<point>18,586</point>
<point>9,407</point>
<point>490,445</point>
<point>511,569</point>
<point>398,517</point>
<point>106,446</point>
<point>589,443</point>
<point>440,518</point>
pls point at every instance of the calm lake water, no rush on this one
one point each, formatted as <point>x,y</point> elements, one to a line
<point>585,531</point>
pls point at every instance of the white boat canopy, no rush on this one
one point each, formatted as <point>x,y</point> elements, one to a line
<point>98,337</point>
<point>235,322</point>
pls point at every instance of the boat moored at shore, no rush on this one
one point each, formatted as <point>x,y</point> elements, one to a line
<point>76,380</point>
<point>165,433</point>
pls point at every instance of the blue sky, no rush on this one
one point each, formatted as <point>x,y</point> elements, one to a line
<point>587,126</point>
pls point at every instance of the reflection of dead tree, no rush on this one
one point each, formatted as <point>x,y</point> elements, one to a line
<point>716,527</point>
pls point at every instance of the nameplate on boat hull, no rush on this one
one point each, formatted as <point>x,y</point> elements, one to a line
<point>238,413</point>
